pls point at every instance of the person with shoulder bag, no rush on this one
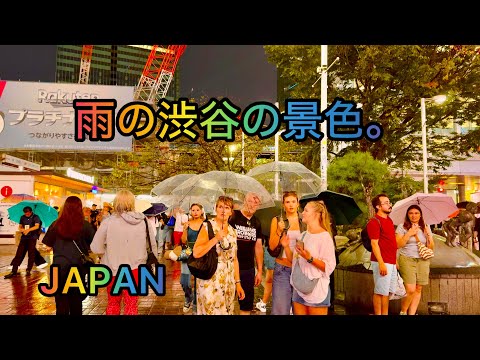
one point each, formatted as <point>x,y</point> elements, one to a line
<point>313,260</point>
<point>216,296</point>
<point>288,227</point>
<point>69,237</point>
<point>191,229</point>
<point>414,269</point>
<point>121,240</point>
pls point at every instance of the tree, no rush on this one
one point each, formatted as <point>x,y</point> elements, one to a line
<point>359,175</point>
<point>389,81</point>
<point>153,161</point>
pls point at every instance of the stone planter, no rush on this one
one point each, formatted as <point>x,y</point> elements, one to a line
<point>457,288</point>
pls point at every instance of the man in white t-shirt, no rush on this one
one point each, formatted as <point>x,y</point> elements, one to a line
<point>180,219</point>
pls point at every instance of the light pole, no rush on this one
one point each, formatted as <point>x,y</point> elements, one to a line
<point>323,105</point>
<point>439,99</point>
<point>277,135</point>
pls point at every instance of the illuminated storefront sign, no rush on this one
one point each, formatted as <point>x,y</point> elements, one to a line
<point>79,176</point>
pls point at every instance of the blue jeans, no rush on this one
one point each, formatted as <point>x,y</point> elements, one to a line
<point>282,291</point>
<point>185,281</point>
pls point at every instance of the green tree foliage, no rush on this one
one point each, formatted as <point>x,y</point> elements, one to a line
<point>359,175</point>
<point>153,161</point>
<point>389,81</point>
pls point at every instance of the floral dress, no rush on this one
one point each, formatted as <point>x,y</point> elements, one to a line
<point>216,296</point>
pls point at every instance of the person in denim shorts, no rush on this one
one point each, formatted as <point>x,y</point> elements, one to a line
<point>384,254</point>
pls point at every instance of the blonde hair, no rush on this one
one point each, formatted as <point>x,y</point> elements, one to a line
<point>124,201</point>
<point>320,208</point>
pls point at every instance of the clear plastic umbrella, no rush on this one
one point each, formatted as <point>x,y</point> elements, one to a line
<point>216,183</point>
<point>166,186</point>
<point>280,176</point>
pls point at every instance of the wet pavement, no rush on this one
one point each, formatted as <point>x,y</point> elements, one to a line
<point>20,296</point>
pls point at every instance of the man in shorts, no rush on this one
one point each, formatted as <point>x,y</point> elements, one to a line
<point>381,232</point>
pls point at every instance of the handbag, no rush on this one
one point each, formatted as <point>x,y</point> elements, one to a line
<point>424,251</point>
<point>171,221</point>
<point>152,260</point>
<point>205,266</point>
<point>86,260</point>
<point>300,281</point>
<point>400,292</point>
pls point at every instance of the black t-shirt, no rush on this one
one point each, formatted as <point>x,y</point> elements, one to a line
<point>248,231</point>
<point>31,221</point>
<point>64,250</point>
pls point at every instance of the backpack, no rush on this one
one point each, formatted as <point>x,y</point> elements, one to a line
<point>365,238</point>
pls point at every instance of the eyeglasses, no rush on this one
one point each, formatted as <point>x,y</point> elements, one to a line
<point>386,203</point>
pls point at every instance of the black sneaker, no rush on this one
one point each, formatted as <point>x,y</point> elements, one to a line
<point>12,274</point>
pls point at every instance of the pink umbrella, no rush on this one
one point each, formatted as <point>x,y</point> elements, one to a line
<point>16,198</point>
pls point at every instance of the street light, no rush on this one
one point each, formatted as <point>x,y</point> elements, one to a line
<point>438,99</point>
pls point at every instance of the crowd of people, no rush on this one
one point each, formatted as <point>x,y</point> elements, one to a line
<point>116,235</point>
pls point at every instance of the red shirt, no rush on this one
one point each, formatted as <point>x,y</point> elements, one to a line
<point>385,233</point>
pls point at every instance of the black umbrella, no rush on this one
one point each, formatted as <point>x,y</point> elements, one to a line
<point>462,204</point>
<point>156,209</point>
<point>342,207</point>
<point>267,214</point>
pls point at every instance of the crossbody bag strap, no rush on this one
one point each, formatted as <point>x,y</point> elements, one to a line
<point>80,251</point>
<point>149,246</point>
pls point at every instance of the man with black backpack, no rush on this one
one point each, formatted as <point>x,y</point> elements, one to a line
<point>30,228</point>
<point>383,258</point>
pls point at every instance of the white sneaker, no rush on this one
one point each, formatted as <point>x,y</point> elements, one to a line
<point>187,307</point>
<point>261,306</point>
<point>41,266</point>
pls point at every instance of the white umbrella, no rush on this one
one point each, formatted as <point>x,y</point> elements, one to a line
<point>280,176</point>
<point>216,183</point>
<point>435,208</point>
<point>142,205</point>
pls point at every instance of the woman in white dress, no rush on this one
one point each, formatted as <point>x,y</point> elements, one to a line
<point>216,296</point>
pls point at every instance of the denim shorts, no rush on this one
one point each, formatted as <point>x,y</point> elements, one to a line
<point>384,285</point>
<point>268,260</point>
<point>298,299</point>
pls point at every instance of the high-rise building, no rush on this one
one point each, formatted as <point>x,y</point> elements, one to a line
<point>116,65</point>
<point>110,65</point>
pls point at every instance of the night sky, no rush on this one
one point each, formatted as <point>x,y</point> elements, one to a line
<point>239,72</point>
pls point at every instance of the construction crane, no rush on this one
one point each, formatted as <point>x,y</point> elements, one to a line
<point>85,63</point>
<point>158,73</point>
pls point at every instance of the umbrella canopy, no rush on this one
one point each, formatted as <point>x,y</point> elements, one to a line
<point>216,183</point>
<point>45,212</point>
<point>280,176</point>
<point>435,207</point>
<point>185,202</point>
<point>155,209</point>
<point>342,207</point>
<point>166,186</point>
<point>142,205</point>
<point>15,198</point>
<point>267,214</point>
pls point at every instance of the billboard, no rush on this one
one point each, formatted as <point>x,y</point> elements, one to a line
<point>40,116</point>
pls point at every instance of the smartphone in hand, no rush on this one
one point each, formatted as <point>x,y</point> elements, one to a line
<point>301,244</point>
